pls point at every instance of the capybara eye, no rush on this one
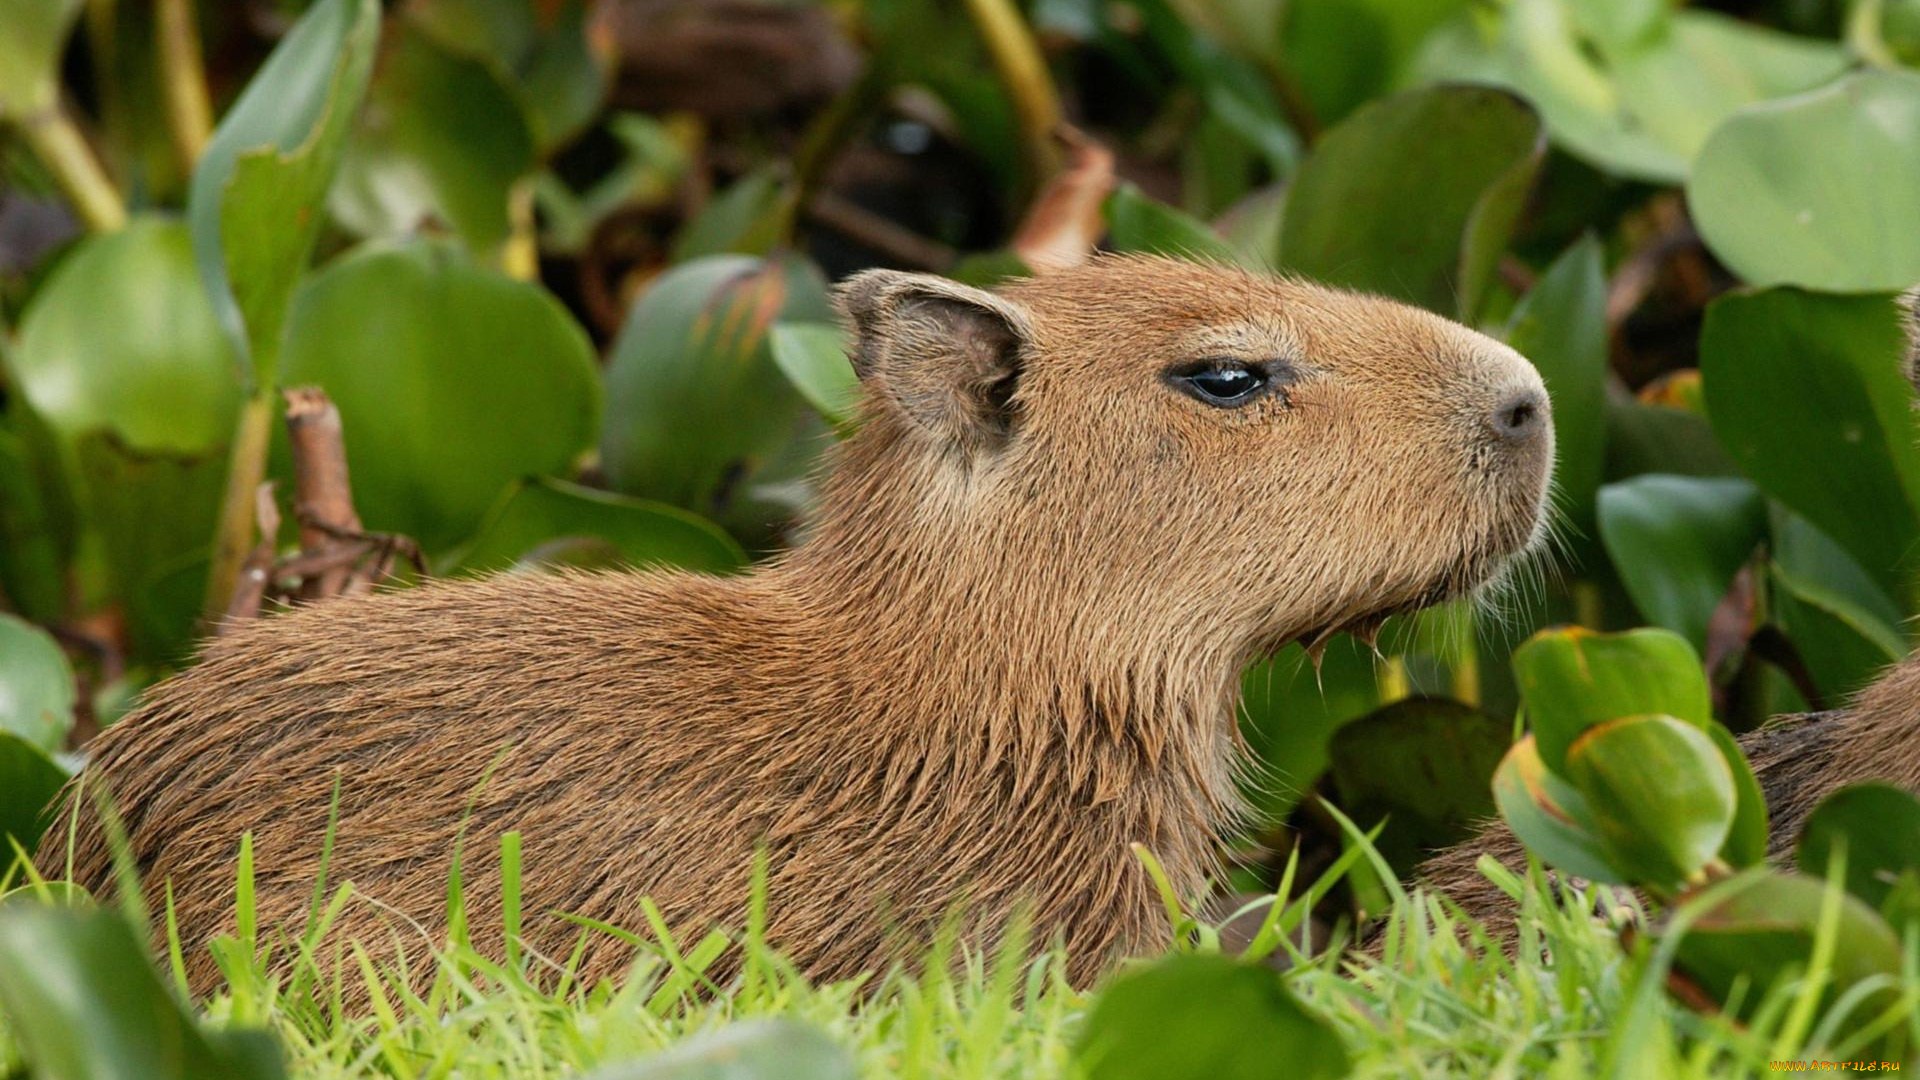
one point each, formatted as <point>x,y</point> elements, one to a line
<point>1226,386</point>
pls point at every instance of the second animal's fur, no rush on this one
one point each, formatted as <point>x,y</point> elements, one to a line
<point>1010,648</point>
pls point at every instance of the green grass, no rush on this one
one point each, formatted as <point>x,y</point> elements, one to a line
<point>1434,1002</point>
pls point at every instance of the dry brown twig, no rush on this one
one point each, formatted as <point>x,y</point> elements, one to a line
<point>337,557</point>
<point>1065,221</point>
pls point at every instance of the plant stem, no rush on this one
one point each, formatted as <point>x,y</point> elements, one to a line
<point>520,257</point>
<point>247,464</point>
<point>57,141</point>
<point>1024,71</point>
<point>183,79</point>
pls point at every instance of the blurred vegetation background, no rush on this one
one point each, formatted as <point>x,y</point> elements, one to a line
<point>562,266</point>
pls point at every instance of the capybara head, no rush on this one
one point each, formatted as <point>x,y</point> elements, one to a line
<point>1197,446</point>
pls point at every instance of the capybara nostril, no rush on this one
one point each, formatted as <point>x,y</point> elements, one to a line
<point>1521,415</point>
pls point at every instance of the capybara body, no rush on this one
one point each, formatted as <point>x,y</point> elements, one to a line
<point>1009,648</point>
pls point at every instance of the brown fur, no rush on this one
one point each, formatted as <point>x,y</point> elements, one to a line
<point>1798,760</point>
<point>1010,647</point>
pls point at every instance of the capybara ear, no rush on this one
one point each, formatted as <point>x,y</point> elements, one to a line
<point>1910,320</point>
<point>944,355</point>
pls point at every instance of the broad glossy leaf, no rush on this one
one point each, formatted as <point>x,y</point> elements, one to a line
<point>1206,1015</point>
<point>441,138</point>
<point>1841,620</point>
<point>1747,837</point>
<point>33,35</point>
<point>1428,763</point>
<point>1660,794</point>
<point>1645,438</point>
<point>1680,86</point>
<point>1805,391</point>
<point>1571,679</point>
<point>1288,713</point>
<point>1561,325</point>
<point>778,1049</point>
<point>29,780</point>
<point>36,685</point>
<point>751,217</point>
<point>151,513</point>
<point>1770,203</point>
<point>1138,222</point>
<point>1878,825</point>
<point>813,356</point>
<point>33,542</point>
<point>1415,196</point>
<point>1549,815</point>
<point>255,203</point>
<point>82,997</point>
<point>638,533</point>
<point>557,66</point>
<point>1342,53</point>
<point>1677,542</point>
<point>695,404</point>
<point>1844,644</point>
<point>1634,91</point>
<point>121,339</point>
<point>1767,929</point>
<point>452,382</point>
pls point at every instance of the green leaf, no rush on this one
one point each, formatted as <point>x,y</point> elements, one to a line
<point>255,202</point>
<point>1572,679</point>
<point>1415,196</point>
<point>1233,1021</point>
<point>1632,90</point>
<point>85,1003</point>
<point>695,404</point>
<point>441,138</point>
<point>33,543</point>
<point>33,35</point>
<point>1844,643</point>
<point>150,513</point>
<point>158,375</point>
<point>1427,763</point>
<point>1561,325</point>
<point>777,1049</point>
<point>543,51</point>
<point>29,780</point>
<point>1289,712</point>
<point>752,217</point>
<point>1342,53</point>
<point>1878,825</point>
<point>634,532</point>
<point>1138,222</point>
<point>1843,623</point>
<point>1805,391</point>
<point>1549,815</point>
<point>1678,541</point>
<point>1770,204</point>
<point>813,356</point>
<point>36,685</point>
<point>1680,86</point>
<point>1766,930</point>
<point>1747,838</point>
<point>1660,794</point>
<point>1645,438</point>
<point>452,382</point>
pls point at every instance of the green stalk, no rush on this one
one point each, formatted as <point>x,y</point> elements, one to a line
<point>247,466</point>
<point>183,79</point>
<point>1016,56</point>
<point>57,141</point>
